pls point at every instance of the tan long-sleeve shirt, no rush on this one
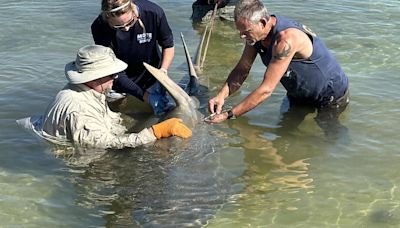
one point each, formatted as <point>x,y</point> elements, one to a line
<point>81,115</point>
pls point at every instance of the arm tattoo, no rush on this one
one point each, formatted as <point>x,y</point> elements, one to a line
<point>283,53</point>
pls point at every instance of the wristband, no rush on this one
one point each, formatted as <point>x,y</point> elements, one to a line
<point>230,115</point>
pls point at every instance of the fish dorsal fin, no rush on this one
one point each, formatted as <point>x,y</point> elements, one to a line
<point>177,93</point>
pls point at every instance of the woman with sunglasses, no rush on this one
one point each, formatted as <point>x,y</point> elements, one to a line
<point>135,30</point>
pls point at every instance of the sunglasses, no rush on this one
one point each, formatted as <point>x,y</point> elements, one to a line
<point>127,24</point>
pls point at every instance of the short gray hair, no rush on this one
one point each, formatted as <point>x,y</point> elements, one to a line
<point>252,10</point>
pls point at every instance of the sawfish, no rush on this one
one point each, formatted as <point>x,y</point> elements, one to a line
<point>186,99</point>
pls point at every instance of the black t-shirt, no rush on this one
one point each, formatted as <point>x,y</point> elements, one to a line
<point>134,46</point>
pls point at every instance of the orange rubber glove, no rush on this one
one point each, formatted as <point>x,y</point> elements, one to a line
<point>169,127</point>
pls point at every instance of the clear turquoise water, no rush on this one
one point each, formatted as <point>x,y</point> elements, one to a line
<point>243,173</point>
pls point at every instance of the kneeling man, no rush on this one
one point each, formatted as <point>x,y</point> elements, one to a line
<point>80,114</point>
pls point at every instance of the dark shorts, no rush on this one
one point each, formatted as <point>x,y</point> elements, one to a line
<point>339,104</point>
<point>327,118</point>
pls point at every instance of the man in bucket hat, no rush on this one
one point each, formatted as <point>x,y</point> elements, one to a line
<point>79,113</point>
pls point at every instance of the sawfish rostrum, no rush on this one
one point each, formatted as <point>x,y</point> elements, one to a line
<point>187,104</point>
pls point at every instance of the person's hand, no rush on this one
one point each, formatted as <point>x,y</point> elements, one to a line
<point>165,71</point>
<point>215,104</point>
<point>170,127</point>
<point>217,118</point>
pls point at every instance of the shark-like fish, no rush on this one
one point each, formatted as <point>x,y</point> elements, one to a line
<point>186,100</point>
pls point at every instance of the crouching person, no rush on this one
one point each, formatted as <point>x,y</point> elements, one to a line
<point>80,114</point>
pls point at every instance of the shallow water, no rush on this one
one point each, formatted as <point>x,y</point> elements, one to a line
<point>248,172</point>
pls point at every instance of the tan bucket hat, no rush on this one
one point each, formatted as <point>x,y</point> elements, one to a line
<point>93,62</point>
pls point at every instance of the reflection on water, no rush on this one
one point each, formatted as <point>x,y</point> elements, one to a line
<point>267,174</point>
<point>266,169</point>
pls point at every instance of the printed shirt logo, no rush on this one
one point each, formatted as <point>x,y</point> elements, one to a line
<point>144,37</point>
